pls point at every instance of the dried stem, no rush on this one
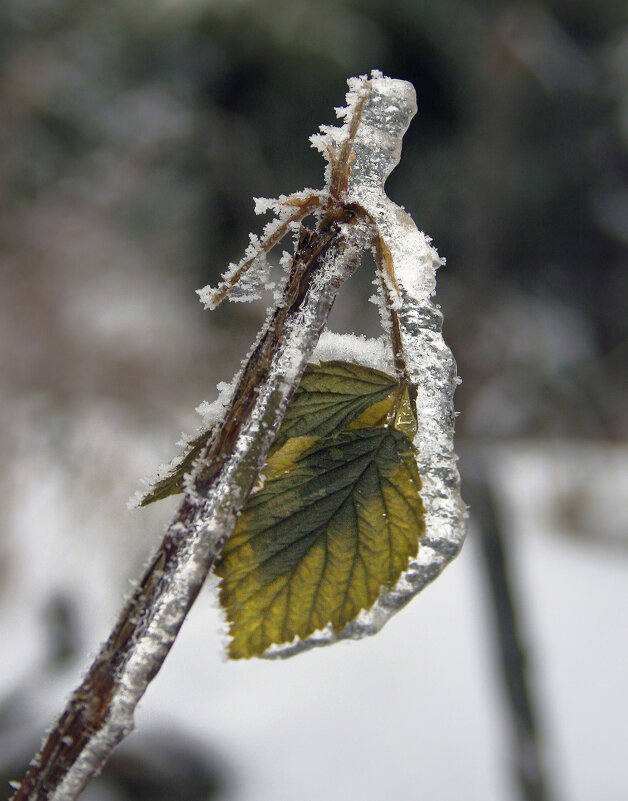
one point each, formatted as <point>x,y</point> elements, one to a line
<point>387,279</point>
<point>303,207</point>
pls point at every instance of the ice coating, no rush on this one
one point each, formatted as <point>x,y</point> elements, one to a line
<point>389,107</point>
<point>386,115</point>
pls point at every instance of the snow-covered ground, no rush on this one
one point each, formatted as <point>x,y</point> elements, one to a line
<point>415,711</point>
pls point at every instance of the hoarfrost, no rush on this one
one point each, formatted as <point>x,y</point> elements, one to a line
<point>246,280</point>
<point>211,412</point>
<point>135,501</point>
<point>253,283</point>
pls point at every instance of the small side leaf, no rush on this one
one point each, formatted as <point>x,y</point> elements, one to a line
<point>172,482</point>
<point>318,543</point>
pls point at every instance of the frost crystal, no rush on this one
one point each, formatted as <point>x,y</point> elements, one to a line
<point>253,283</point>
<point>246,280</point>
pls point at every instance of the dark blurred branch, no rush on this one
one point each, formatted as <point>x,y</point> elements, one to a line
<point>513,653</point>
<point>494,124</point>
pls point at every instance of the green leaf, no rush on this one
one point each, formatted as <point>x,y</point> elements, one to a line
<point>332,395</point>
<point>396,410</point>
<point>319,541</point>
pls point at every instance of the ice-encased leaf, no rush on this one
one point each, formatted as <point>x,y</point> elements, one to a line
<point>318,543</point>
<point>388,107</point>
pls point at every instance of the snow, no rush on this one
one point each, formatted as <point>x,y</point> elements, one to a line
<point>369,352</point>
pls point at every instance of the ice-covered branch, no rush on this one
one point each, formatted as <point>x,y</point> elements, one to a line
<point>353,214</point>
<point>100,713</point>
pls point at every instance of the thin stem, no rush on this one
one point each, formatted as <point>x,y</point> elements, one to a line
<point>341,162</point>
<point>387,278</point>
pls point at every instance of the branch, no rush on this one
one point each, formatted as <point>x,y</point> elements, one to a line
<point>100,712</point>
<point>353,214</point>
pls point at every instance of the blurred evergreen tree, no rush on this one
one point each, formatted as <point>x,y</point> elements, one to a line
<point>169,116</point>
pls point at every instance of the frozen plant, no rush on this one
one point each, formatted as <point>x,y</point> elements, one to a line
<point>324,492</point>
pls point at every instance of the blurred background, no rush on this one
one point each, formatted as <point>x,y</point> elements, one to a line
<point>133,137</point>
